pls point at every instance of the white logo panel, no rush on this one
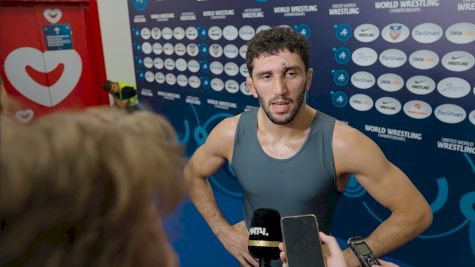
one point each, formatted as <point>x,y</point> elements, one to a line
<point>388,105</point>
<point>366,33</point>
<point>417,109</point>
<point>420,85</point>
<point>453,87</point>
<point>363,80</point>
<point>427,33</point>
<point>361,102</point>
<point>450,113</point>
<point>390,82</point>
<point>458,61</point>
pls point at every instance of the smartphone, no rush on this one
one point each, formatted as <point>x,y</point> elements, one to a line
<point>362,251</point>
<point>302,242</point>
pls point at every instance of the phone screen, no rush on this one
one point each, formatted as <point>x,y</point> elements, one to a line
<point>302,243</point>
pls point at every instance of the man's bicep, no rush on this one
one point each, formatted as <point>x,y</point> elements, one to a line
<point>205,161</point>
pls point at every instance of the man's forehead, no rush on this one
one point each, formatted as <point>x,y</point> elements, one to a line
<point>281,59</point>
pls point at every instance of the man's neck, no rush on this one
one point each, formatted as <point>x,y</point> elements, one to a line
<point>301,123</point>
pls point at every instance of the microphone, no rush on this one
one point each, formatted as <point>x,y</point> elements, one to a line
<point>265,235</point>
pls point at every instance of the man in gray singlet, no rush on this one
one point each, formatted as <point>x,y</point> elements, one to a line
<point>296,159</point>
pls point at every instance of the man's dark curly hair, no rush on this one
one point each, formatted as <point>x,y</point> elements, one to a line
<point>274,40</point>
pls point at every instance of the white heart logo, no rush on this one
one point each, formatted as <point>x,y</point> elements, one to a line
<point>24,116</point>
<point>52,15</point>
<point>15,68</point>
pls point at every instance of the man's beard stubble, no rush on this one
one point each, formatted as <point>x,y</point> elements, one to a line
<point>293,112</point>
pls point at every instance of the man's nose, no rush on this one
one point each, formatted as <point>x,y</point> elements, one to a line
<point>280,87</point>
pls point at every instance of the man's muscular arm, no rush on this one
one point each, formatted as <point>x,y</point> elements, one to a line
<point>410,213</point>
<point>205,162</point>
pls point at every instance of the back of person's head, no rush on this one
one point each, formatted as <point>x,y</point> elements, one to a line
<point>88,189</point>
<point>274,40</point>
<point>107,85</point>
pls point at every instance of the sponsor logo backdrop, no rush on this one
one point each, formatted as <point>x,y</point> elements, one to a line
<point>402,72</point>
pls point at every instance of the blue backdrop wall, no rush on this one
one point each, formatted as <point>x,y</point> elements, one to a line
<point>402,72</point>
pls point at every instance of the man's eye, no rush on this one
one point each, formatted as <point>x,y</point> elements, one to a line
<point>291,74</point>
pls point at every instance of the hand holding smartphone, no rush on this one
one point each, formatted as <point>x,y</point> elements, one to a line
<point>301,241</point>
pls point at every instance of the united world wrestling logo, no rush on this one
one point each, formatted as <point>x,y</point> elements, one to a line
<point>140,5</point>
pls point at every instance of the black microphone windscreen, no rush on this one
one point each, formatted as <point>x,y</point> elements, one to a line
<point>265,234</point>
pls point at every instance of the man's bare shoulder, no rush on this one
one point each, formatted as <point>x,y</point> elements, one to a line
<point>347,138</point>
<point>221,139</point>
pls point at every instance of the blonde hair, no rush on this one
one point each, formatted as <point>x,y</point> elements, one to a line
<point>77,187</point>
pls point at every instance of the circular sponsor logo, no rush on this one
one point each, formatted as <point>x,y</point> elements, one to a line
<point>453,87</point>
<point>361,102</point>
<point>366,33</point>
<point>156,33</point>
<point>231,86</point>
<point>194,81</point>
<point>231,69</point>
<point>420,85</point>
<point>157,48</point>
<point>243,51</point>
<point>216,67</point>
<point>148,62</point>
<point>204,66</point>
<point>191,33</point>
<point>341,77</point>
<point>205,83</point>
<point>461,33</point>
<point>244,89</point>
<point>146,48</point>
<point>427,33</point>
<point>392,58</point>
<point>192,49</point>
<point>141,5</point>
<point>145,33</point>
<point>471,117</point>
<point>215,50</point>
<point>217,84</point>
<point>182,80</point>
<point>159,78</point>
<point>423,59</point>
<point>193,66</point>
<point>343,32</point>
<point>179,33</point>
<point>339,99</point>
<point>180,49</point>
<point>231,51</point>
<point>395,32</point>
<point>262,28</point>
<point>363,80</point>
<point>181,64</point>
<point>149,76</point>
<point>158,63</point>
<point>417,109</point>
<point>246,32</point>
<point>364,56</point>
<point>167,33</point>
<point>230,33</point>
<point>450,113</point>
<point>342,55</point>
<point>458,61</point>
<point>169,64</point>
<point>168,49</point>
<point>390,82</point>
<point>215,33</point>
<point>243,70</point>
<point>170,78</point>
<point>388,105</point>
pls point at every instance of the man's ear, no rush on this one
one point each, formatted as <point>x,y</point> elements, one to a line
<point>250,86</point>
<point>309,79</point>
